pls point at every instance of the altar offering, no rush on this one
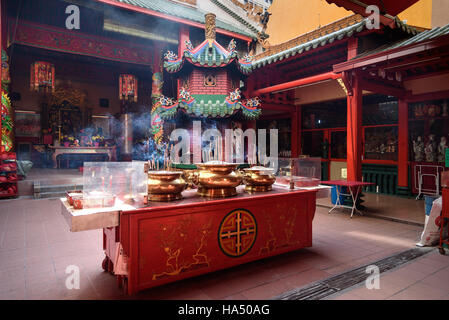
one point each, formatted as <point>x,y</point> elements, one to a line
<point>72,195</point>
<point>258,179</point>
<point>301,172</point>
<point>165,185</point>
<point>217,179</point>
<point>105,182</point>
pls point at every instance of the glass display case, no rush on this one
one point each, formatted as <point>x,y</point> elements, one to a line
<point>313,144</point>
<point>300,172</point>
<point>331,114</point>
<point>379,110</point>
<point>338,145</point>
<point>381,143</point>
<point>108,184</point>
<point>284,127</point>
<point>428,130</point>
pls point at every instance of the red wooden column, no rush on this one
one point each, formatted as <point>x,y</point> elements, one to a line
<point>1,71</point>
<point>354,118</point>
<point>354,132</point>
<point>403,186</point>
<point>296,132</point>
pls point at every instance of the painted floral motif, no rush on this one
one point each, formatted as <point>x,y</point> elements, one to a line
<point>247,58</point>
<point>252,103</point>
<point>189,45</point>
<point>184,95</point>
<point>232,45</point>
<point>170,56</point>
<point>235,95</point>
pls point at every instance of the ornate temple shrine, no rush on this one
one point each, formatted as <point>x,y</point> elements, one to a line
<point>210,79</point>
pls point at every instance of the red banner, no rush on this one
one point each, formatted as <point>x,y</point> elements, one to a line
<point>62,40</point>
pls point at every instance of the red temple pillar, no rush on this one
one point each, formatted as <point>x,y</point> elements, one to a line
<point>403,183</point>
<point>1,66</point>
<point>354,132</point>
<point>296,132</point>
<point>354,118</point>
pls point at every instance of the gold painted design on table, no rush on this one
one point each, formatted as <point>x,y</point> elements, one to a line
<point>286,221</point>
<point>172,237</point>
<point>237,233</point>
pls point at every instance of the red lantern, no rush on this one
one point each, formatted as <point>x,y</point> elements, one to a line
<point>42,76</point>
<point>128,87</point>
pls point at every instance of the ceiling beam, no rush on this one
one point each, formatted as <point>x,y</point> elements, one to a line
<point>376,87</point>
<point>298,83</point>
<point>278,107</point>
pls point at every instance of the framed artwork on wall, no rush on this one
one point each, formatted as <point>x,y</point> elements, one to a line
<point>27,124</point>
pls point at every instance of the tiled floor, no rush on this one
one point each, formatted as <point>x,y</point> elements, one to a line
<point>48,173</point>
<point>426,278</point>
<point>36,247</point>
<point>386,206</point>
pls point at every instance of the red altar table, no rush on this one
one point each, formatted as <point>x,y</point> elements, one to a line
<point>109,151</point>
<point>354,188</point>
<point>167,242</point>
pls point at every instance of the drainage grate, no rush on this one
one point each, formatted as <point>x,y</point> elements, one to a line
<point>329,286</point>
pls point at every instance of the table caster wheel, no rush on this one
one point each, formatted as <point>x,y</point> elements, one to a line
<point>105,263</point>
<point>125,285</point>
<point>442,251</point>
<point>110,268</point>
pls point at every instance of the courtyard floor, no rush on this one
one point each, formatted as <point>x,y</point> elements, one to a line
<point>36,247</point>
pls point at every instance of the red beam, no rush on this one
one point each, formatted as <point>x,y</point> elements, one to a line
<point>383,89</point>
<point>298,83</point>
<point>172,18</point>
<point>278,107</point>
<point>285,115</point>
<point>388,56</point>
<point>335,46</point>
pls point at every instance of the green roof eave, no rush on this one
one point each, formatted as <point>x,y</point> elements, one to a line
<point>183,12</point>
<point>324,40</point>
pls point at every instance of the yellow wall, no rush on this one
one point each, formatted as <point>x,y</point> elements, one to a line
<point>440,13</point>
<point>291,18</point>
<point>419,14</point>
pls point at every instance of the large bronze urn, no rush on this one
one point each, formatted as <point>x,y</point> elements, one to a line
<point>217,179</point>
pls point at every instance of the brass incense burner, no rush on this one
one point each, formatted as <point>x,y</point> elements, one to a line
<point>258,179</point>
<point>217,179</point>
<point>165,185</point>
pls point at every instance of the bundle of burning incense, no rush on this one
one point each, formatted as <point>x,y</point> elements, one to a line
<point>210,152</point>
<point>171,156</point>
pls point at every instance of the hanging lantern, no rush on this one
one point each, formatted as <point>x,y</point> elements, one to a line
<point>42,77</point>
<point>128,87</point>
